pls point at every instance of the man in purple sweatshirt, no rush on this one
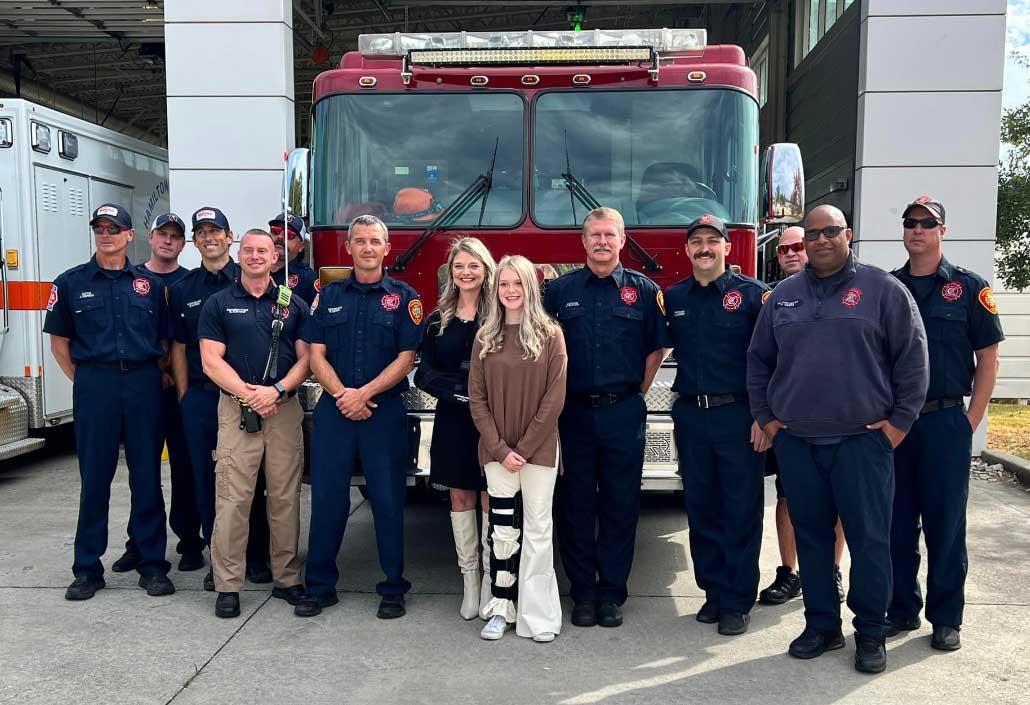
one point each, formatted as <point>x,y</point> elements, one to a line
<point>837,374</point>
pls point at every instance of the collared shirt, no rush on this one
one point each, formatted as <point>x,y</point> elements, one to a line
<point>109,315</point>
<point>365,327</point>
<point>169,279</point>
<point>611,325</point>
<point>243,323</point>
<point>185,302</point>
<point>711,327</point>
<point>302,279</point>
<point>957,308</point>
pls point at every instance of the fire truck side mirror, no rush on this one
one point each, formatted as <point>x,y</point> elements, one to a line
<point>783,185</point>
<point>295,183</point>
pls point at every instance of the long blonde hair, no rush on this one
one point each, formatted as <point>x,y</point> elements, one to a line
<point>448,304</point>
<point>536,326</point>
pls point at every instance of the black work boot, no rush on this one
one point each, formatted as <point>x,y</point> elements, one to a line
<point>815,642</point>
<point>84,588</point>
<point>227,605</point>
<point>609,614</point>
<point>584,614</point>
<point>945,638</point>
<point>733,623</point>
<point>786,586</point>
<point>209,581</point>
<point>312,605</point>
<point>708,614</point>
<point>128,562</point>
<point>156,584</point>
<point>258,573</point>
<point>391,607</point>
<point>293,594</point>
<point>870,654</point>
<point>909,625</point>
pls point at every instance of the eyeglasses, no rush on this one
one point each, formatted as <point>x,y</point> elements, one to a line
<point>792,247</point>
<point>278,230</point>
<point>830,231</point>
<point>924,223</point>
<point>109,229</point>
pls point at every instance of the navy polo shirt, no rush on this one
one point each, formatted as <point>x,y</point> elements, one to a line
<point>958,311</point>
<point>365,327</point>
<point>302,279</point>
<point>109,315</point>
<point>611,325</point>
<point>185,302</point>
<point>243,323</point>
<point>711,328</point>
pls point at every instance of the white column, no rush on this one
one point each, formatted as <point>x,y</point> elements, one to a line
<point>929,113</point>
<point>229,67</point>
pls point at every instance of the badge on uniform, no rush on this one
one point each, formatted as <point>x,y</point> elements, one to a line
<point>732,300</point>
<point>52,301</point>
<point>951,291</point>
<point>851,297</point>
<point>391,302</point>
<point>141,286</point>
<point>415,311</point>
<point>293,281</point>
<point>629,295</point>
<point>986,298</point>
<point>765,296</point>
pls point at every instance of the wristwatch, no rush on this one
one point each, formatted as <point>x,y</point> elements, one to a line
<point>278,386</point>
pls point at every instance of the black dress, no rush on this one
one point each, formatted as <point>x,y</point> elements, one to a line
<point>444,372</point>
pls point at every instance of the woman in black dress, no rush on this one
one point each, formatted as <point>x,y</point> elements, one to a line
<point>443,372</point>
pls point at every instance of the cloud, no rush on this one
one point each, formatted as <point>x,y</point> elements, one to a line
<point>1018,30</point>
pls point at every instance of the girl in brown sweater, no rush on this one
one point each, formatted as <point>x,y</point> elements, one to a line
<point>516,393</point>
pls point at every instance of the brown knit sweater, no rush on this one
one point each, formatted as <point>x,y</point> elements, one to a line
<point>515,403</point>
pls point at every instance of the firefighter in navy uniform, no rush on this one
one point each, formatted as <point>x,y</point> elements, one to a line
<point>363,334</point>
<point>711,315</point>
<point>290,241</point>
<point>108,323</point>
<point>615,334</point>
<point>932,464</point>
<point>198,395</point>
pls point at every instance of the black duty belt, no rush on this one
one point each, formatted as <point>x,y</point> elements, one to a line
<point>123,365</point>
<point>710,401</point>
<point>597,401</point>
<point>938,404</point>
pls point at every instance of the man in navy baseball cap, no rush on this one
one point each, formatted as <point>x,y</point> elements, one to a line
<point>709,221</point>
<point>215,217</point>
<point>290,237</point>
<point>114,213</point>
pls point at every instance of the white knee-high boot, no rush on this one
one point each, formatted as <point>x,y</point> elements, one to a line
<point>466,544</point>
<point>486,587</point>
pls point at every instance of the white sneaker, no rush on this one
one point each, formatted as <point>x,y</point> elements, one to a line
<point>543,637</point>
<point>495,628</point>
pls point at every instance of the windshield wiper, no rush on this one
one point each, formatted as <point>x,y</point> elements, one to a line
<point>480,188</point>
<point>579,192</point>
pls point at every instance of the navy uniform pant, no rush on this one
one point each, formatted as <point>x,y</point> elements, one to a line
<point>199,407</point>
<point>853,479</point>
<point>723,487</point>
<point>931,467</point>
<point>602,453</point>
<point>377,445</point>
<point>109,406</point>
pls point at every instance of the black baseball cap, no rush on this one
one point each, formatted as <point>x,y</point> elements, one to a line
<point>169,218</point>
<point>113,212</point>
<point>708,221</point>
<point>931,204</point>
<point>296,224</point>
<point>207,214</point>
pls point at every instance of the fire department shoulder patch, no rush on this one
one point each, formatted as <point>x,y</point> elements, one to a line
<point>660,300</point>
<point>52,301</point>
<point>293,281</point>
<point>732,300</point>
<point>851,297</point>
<point>391,302</point>
<point>951,291</point>
<point>765,296</point>
<point>314,303</point>
<point>141,286</point>
<point>986,298</point>
<point>415,311</point>
<point>629,295</point>
<point>318,285</point>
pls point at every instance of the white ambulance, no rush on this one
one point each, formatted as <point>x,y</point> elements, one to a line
<point>54,170</point>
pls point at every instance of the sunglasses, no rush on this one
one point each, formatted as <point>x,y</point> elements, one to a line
<point>924,223</point>
<point>792,247</point>
<point>830,231</point>
<point>278,230</point>
<point>109,229</point>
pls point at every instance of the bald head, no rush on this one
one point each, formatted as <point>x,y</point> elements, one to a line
<point>827,239</point>
<point>825,214</point>
<point>790,251</point>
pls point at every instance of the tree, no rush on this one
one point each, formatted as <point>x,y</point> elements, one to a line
<point>1012,253</point>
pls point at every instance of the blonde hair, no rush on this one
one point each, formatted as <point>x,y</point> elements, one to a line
<point>536,326</point>
<point>605,213</point>
<point>448,304</point>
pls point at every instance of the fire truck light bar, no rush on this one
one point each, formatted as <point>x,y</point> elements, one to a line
<point>566,55</point>
<point>660,40</point>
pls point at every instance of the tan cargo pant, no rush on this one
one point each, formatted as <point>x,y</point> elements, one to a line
<point>239,454</point>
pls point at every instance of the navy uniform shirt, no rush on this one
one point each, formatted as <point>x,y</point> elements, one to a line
<point>960,317</point>
<point>109,315</point>
<point>611,325</point>
<point>244,324</point>
<point>169,279</point>
<point>365,327</point>
<point>710,327</point>
<point>302,279</point>
<point>185,302</point>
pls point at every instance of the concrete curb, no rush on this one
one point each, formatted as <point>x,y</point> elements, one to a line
<point>1014,464</point>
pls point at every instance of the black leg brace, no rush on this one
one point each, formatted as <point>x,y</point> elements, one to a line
<point>510,564</point>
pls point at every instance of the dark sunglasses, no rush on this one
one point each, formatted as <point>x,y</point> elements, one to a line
<point>109,229</point>
<point>830,231</point>
<point>924,223</point>
<point>278,230</point>
<point>792,247</point>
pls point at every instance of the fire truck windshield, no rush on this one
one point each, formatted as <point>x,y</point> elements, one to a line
<point>406,157</point>
<point>660,157</point>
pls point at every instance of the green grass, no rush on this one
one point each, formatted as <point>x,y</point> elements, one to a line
<point>1008,429</point>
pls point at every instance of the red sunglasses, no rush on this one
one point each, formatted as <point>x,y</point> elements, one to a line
<point>278,230</point>
<point>792,247</point>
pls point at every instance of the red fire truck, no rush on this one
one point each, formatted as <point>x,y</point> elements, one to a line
<point>514,136</point>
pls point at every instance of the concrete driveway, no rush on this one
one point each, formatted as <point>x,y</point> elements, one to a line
<point>125,647</point>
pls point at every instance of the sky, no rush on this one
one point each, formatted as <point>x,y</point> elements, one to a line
<point>1017,78</point>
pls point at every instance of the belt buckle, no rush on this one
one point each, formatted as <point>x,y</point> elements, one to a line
<point>122,367</point>
<point>702,401</point>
